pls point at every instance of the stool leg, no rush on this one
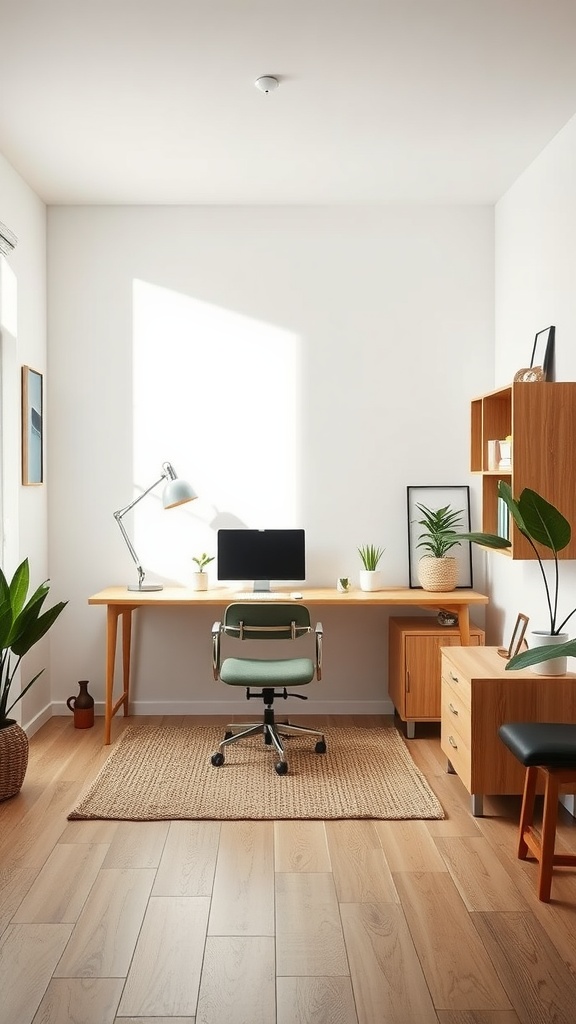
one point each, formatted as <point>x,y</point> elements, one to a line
<point>527,812</point>
<point>549,820</point>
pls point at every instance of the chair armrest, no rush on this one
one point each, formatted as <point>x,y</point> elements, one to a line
<point>216,631</point>
<point>319,631</point>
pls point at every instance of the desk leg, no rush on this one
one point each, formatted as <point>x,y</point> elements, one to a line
<point>463,613</point>
<point>110,709</point>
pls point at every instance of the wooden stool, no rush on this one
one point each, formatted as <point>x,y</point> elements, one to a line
<point>548,748</point>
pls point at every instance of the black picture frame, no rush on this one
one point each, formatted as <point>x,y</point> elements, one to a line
<point>543,351</point>
<point>436,496</point>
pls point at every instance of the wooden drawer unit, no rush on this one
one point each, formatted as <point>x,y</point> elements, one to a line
<point>478,696</point>
<point>414,666</point>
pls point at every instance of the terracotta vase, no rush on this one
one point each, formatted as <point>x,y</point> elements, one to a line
<point>82,706</point>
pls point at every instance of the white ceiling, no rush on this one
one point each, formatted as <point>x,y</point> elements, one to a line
<point>153,101</point>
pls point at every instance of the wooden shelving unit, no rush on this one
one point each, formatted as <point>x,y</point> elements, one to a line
<point>541,419</point>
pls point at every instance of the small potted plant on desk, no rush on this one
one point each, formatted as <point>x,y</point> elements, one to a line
<point>200,578</point>
<point>437,570</point>
<point>370,576</point>
<point>21,626</point>
<point>541,523</point>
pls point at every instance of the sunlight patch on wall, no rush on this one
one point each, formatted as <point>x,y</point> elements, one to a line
<point>217,394</point>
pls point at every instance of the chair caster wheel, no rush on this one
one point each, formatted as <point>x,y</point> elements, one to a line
<point>281,768</point>
<point>320,747</point>
<point>217,759</point>
<point>228,734</point>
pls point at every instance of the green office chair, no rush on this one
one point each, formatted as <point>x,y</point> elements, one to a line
<point>267,622</point>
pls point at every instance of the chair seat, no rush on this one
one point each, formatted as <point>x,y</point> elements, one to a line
<point>548,744</point>
<point>255,672</point>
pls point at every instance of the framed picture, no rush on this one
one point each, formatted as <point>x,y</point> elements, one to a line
<point>458,498</point>
<point>32,427</point>
<point>543,351</point>
<point>517,638</point>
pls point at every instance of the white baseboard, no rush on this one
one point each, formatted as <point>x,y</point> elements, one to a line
<point>244,707</point>
<point>39,720</point>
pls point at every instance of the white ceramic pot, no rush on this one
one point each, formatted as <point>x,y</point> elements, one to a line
<point>554,666</point>
<point>438,574</point>
<point>199,581</point>
<point>370,579</point>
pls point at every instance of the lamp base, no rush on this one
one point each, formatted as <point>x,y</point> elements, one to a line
<point>145,586</point>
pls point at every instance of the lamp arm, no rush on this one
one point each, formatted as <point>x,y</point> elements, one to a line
<point>119,515</point>
<point>129,545</point>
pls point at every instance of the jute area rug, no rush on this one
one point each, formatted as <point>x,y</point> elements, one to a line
<point>164,772</point>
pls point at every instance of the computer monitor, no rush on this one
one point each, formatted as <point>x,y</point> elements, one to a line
<point>261,556</point>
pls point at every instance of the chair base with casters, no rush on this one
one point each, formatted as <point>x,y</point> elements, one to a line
<point>548,750</point>
<point>267,678</point>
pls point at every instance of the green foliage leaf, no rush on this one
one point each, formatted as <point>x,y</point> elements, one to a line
<point>536,655</point>
<point>370,555</point>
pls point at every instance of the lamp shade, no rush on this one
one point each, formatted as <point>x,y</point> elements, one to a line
<point>176,492</point>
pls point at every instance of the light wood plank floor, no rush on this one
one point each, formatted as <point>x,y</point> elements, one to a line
<point>289,922</point>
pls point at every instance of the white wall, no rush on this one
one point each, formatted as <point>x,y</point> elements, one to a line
<point>24,343</point>
<point>535,258</point>
<point>388,316</point>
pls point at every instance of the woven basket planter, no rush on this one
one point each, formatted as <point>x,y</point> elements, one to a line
<point>13,760</point>
<point>438,574</point>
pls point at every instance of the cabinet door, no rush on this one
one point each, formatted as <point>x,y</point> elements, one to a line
<point>424,672</point>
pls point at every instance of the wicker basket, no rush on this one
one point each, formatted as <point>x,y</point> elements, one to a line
<point>439,574</point>
<point>13,760</point>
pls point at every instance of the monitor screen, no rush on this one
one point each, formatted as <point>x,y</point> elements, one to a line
<point>261,555</point>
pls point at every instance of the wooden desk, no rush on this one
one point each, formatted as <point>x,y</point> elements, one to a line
<point>120,603</point>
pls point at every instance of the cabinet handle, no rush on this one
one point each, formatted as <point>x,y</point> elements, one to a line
<point>452,676</point>
<point>452,742</point>
<point>453,709</point>
<point>407,681</point>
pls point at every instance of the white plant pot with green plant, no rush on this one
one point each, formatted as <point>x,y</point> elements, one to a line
<point>200,578</point>
<point>370,575</point>
<point>437,570</point>
<point>22,624</point>
<point>542,524</point>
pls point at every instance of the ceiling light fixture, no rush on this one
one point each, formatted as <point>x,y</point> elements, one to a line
<point>266,83</point>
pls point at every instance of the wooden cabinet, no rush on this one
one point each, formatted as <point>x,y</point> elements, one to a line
<point>541,419</point>
<point>478,696</point>
<point>414,646</point>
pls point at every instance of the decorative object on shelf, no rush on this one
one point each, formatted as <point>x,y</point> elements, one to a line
<point>200,579</point>
<point>540,523</point>
<point>343,584</point>
<point>517,638</point>
<point>176,492</point>
<point>370,576</point>
<point>529,374</point>
<point>505,451</point>
<point>22,624</point>
<point>32,427</point>
<point>82,707</point>
<point>446,618</point>
<point>434,508</point>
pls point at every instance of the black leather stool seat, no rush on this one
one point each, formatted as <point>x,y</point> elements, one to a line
<point>551,744</point>
<point>548,751</point>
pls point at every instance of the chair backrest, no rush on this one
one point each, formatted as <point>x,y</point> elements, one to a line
<point>271,621</point>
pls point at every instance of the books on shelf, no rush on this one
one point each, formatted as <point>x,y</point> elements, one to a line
<point>505,454</point>
<point>503,520</point>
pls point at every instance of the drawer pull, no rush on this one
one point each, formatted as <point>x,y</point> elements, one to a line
<point>452,676</point>
<point>453,709</point>
<point>452,742</point>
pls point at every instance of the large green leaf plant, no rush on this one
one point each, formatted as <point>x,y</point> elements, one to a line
<point>22,624</point>
<point>540,523</point>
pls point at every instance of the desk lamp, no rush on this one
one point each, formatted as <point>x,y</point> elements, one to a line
<point>176,492</point>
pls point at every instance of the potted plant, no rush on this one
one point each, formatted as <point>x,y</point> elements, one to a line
<point>541,523</point>
<point>370,577</point>
<point>437,570</point>
<point>22,624</point>
<point>199,578</point>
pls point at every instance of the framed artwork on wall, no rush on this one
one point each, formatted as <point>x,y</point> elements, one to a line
<point>32,427</point>
<point>435,497</point>
<point>543,351</point>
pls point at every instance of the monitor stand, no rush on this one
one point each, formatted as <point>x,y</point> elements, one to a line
<point>261,586</point>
